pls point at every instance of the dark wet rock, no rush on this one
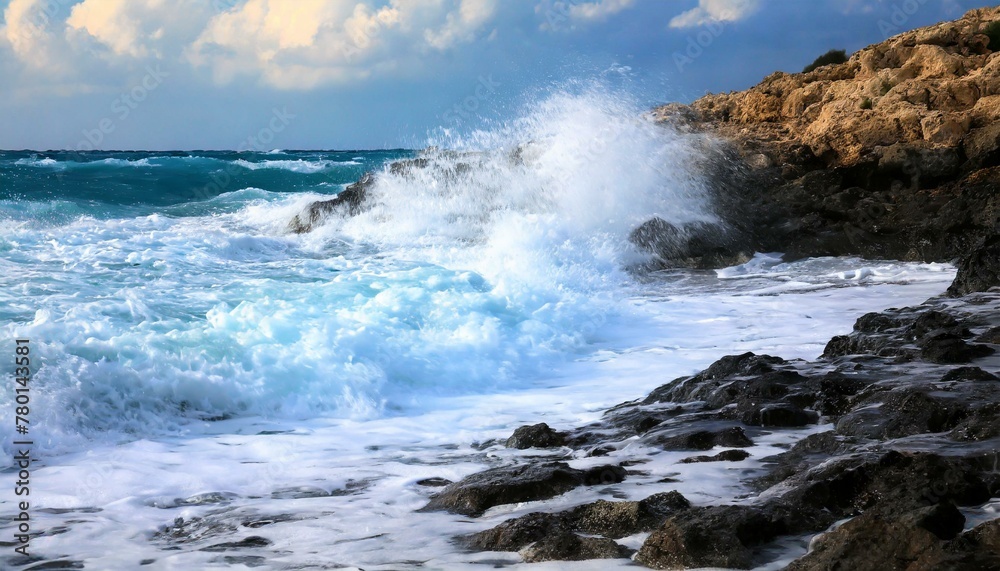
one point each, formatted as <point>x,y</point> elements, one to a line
<point>894,482</point>
<point>568,546</point>
<point>724,456</point>
<point>475,494</point>
<point>948,348</point>
<point>834,392</point>
<point>57,565</point>
<point>247,560</point>
<point>604,475</point>
<point>890,408</point>
<point>699,387</point>
<point>979,270</point>
<point>986,536</point>
<point>679,439</point>
<point>805,454</point>
<point>718,536</point>
<point>780,415</point>
<point>942,519</point>
<point>769,386</point>
<point>694,245</point>
<point>638,419</point>
<point>348,202</point>
<point>253,541</point>
<point>620,519</point>
<point>904,411</point>
<point>991,336</point>
<point>299,492</point>
<point>931,321</point>
<point>434,482</point>
<point>877,323</point>
<point>514,534</point>
<point>536,436</point>
<point>968,374</point>
<point>983,423</point>
<point>606,518</point>
<point>875,541</point>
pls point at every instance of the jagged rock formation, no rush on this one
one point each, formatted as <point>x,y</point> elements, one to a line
<point>893,154</point>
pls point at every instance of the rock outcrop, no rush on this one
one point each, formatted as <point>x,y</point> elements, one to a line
<point>894,154</point>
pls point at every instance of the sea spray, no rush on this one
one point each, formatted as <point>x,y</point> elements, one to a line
<point>553,193</point>
<point>500,258</point>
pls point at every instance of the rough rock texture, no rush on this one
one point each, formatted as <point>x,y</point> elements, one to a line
<point>913,440</point>
<point>893,154</point>
<point>349,202</point>
<point>718,536</point>
<point>479,492</point>
<point>536,436</point>
<point>612,520</point>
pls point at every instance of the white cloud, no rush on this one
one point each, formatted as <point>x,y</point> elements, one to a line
<point>461,26</point>
<point>138,28</point>
<point>709,11</point>
<point>598,11</point>
<point>31,31</point>
<point>302,44</point>
<point>288,44</point>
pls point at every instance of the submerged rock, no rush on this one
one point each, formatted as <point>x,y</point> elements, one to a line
<point>349,202</point>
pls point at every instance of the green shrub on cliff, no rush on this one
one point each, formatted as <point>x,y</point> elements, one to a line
<point>993,31</point>
<point>832,56</point>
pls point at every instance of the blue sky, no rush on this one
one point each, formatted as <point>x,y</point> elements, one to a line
<point>326,74</point>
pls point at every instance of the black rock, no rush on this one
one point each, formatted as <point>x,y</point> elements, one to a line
<point>568,546</point>
<point>516,533</point>
<point>609,519</point>
<point>718,536</point>
<point>536,436</point>
<point>434,482</point>
<point>477,493</point>
<point>949,348</point>
<point>724,456</point>
<point>974,374</point>
<point>350,202</point>
<point>980,269</point>
<point>732,437</point>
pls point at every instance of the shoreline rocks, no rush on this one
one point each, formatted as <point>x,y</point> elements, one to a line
<point>912,442</point>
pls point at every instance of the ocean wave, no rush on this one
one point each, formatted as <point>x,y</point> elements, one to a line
<point>38,162</point>
<point>297,165</point>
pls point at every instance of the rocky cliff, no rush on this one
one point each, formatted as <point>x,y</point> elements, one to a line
<point>893,154</point>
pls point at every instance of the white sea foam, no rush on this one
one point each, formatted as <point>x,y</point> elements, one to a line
<point>297,165</point>
<point>37,162</point>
